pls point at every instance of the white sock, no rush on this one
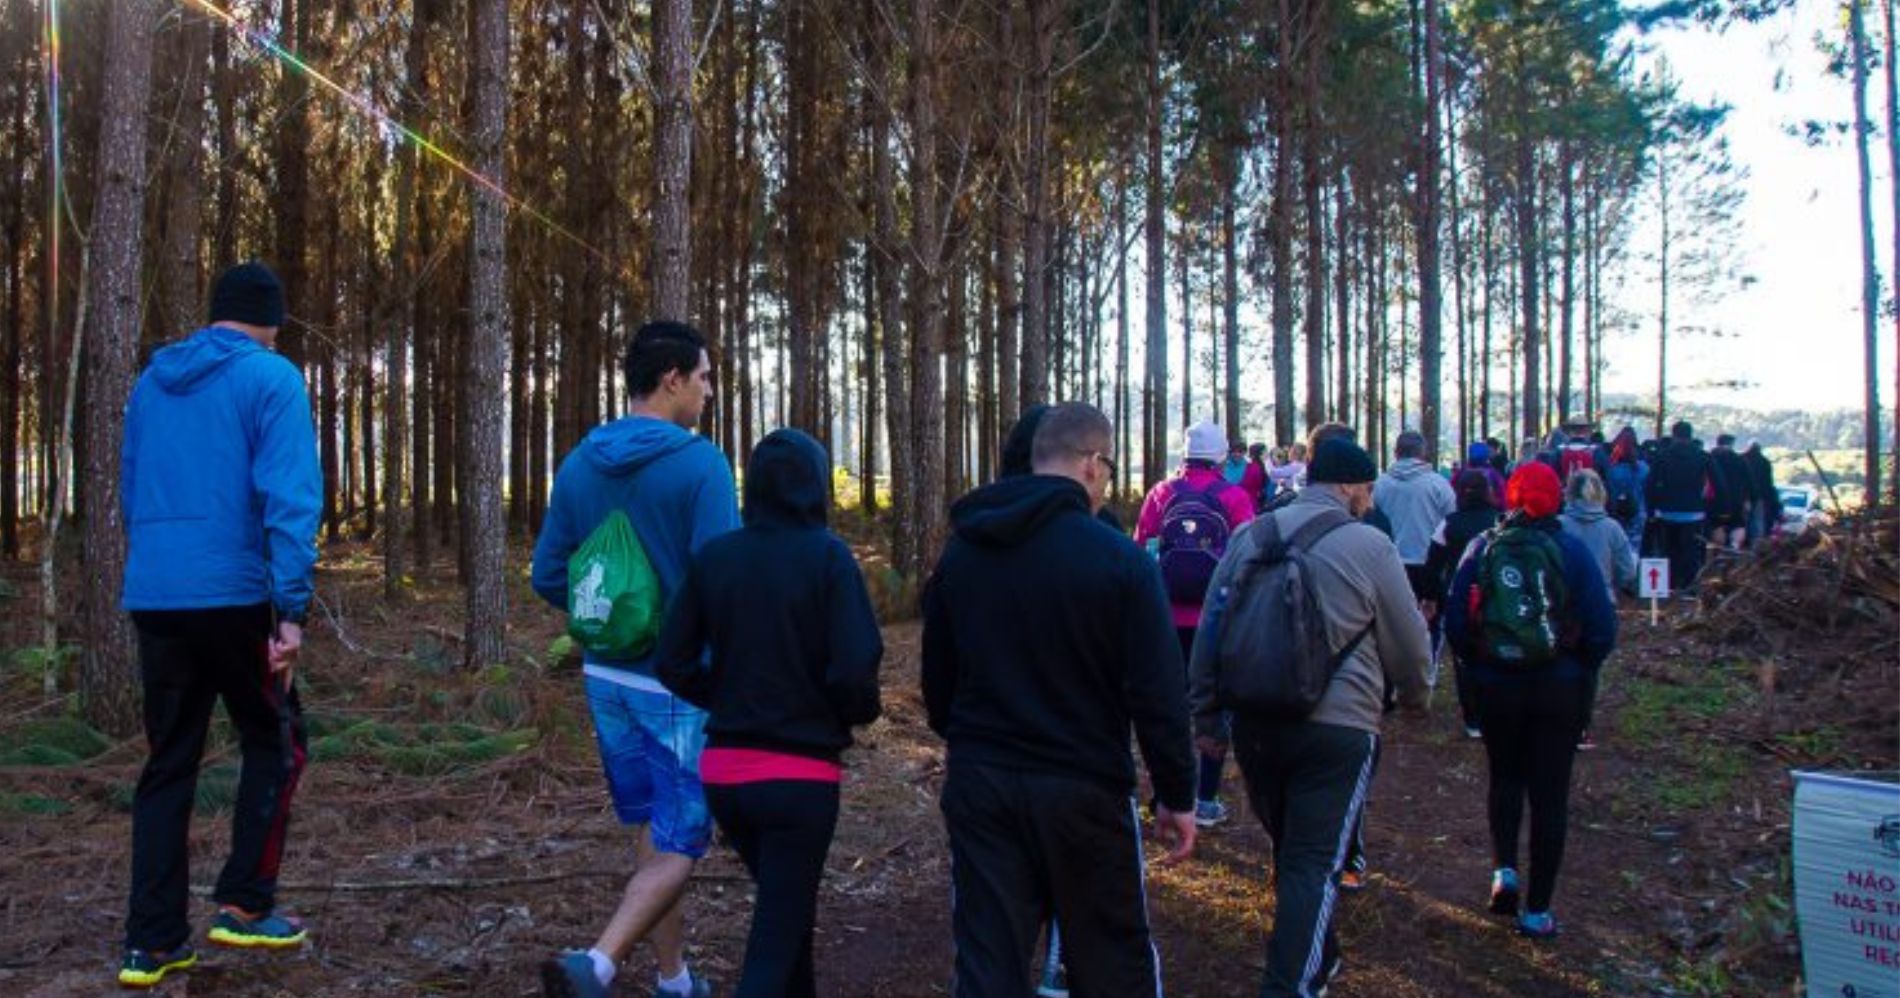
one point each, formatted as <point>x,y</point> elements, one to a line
<point>603,966</point>
<point>678,985</point>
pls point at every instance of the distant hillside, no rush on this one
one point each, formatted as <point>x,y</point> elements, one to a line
<point>1795,429</point>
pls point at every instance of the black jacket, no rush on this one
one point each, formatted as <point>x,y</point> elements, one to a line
<point>1046,635</point>
<point>1733,491</point>
<point>1680,478</point>
<point>1460,529</point>
<point>1761,482</point>
<point>795,645</point>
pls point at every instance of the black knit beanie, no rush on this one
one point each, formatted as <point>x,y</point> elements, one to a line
<point>1341,462</point>
<point>248,293</point>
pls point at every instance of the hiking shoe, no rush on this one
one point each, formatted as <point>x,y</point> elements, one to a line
<point>1504,892</point>
<point>702,988</point>
<point>243,931</point>
<point>1585,743</point>
<point>1055,982</point>
<point>1208,813</point>
<point>1537,925</point>
<point>142,968</point>
<point>571,975</point>
<point>1352,881</point>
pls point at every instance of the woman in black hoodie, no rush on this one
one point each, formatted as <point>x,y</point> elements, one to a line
<point>1477,512</point>
<point>793,667</point>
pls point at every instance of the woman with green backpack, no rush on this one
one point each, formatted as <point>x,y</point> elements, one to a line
<point>1529,612</point>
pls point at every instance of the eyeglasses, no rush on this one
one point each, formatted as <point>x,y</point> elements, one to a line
<point>1110,462</point>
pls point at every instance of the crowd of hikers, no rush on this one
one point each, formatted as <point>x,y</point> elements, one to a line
<point>1272,606</point>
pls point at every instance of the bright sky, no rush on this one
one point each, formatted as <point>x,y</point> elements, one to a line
<point>1796,333</point>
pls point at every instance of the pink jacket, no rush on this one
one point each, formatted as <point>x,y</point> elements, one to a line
<point>1233,499</point>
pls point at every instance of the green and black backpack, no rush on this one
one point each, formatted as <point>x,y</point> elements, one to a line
<point>1520,599</point>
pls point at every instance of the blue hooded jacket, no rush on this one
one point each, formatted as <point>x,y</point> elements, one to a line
<point>221,488</point>
<point>674,486</point>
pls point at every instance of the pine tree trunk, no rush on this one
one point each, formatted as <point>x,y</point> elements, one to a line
<point>926,290</point>
<point>1124,433</point>
<point>1044,16</point>
<point>1893,169</point>
<point>1230,296</point>
<point>1280,231</point>
<point>672,158</point>
<point>12,428</point>
<point>1155,398</point>
<point>1342,293</point>
<point>895,344</point>
<point>1870,273</point>
<point>1665,249</point>
<point>180,269</point>
<point>108,690</point>
<point>1566,314</point>
<point>290,180</point>
<point>1315,305</point>
<point>224,100</point>
<point>1430,282</point>
<point>482,430</point>
<point>1528,291</point>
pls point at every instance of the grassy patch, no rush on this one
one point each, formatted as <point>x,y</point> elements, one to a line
<point>1656,712</point>
<point>32,804</point>
<point>53,741</point>
<point>419,749</point>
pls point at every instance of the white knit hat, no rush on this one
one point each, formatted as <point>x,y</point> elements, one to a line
<point>1205,442</point>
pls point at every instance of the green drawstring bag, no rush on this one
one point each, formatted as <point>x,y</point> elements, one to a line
<point>614,602</point>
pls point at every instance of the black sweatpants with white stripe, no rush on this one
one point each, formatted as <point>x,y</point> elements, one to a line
<point>1025,846</point>
<point>1307,783</point>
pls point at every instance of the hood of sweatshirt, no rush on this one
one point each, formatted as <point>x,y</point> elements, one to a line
<point>1584,512</point>
<point>1008,512</point>
<point>1408,469</point>
<point>626,445</point>
<point>196,361</point>
<point>785,482</point>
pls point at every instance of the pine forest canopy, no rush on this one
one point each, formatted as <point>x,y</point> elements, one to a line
<point>898,223</point>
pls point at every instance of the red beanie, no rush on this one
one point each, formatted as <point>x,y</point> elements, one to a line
<point>1534,488</point>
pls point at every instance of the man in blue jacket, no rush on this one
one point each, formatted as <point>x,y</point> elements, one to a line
<point>677,491</point>
<point>222,495</point>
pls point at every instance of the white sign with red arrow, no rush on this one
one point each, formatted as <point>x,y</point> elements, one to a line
<point>1652,578</point>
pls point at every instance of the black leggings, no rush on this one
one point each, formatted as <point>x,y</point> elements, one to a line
<point>782,831</point>
<point>1530,736</point>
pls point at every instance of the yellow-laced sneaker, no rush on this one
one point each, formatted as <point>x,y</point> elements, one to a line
<point>145,968</point>
<point>240,929</point>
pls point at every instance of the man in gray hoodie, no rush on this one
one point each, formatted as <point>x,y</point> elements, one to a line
<point>1307,780</point>
<point>1416,499</point>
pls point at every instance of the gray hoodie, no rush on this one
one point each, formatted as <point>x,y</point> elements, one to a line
<point>1357,580</point>
<point>1607,541</point>
<point>1416,499</point>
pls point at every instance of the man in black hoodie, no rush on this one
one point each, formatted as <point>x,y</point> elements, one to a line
<point>1685,485</point>
<point>1046,635</point>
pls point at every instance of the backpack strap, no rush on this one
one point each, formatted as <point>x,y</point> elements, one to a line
<point>1319,526</point>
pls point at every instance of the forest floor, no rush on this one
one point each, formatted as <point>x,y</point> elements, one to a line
<point>452,829</point>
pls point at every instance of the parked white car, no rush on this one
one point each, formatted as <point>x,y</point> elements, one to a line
<point>1797,507</point>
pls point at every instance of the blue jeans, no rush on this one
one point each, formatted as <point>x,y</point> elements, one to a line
<point>649,751</point>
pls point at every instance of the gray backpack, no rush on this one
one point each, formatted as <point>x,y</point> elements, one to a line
<point>1272,658</point>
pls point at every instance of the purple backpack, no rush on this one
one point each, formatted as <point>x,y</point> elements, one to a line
<point>1194,534</point>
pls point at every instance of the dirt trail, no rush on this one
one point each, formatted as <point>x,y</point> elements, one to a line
<point>1640,896</point>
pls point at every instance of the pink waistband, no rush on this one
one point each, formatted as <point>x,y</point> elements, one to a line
<point>730,766</point>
